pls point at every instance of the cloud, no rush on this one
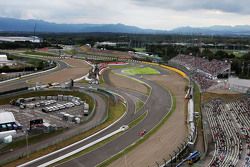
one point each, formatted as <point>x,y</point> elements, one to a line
<point>155,14</point>
<point>230,6</point>
<point>60,10</point>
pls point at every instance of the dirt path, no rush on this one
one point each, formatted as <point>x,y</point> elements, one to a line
<point>168,137</point>
<point>76,63</point>
<point>77,69</point>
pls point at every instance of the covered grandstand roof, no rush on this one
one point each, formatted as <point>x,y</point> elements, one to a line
<point>3,57</point>
<point>33,39</point>
<point>6,117</point>
<point>239,82</point>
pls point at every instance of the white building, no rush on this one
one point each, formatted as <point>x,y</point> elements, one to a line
<point>3,58</point>
<point>240,85</point>
<point>33,39</point>
<point>4,61</point>
<point>104,44</point>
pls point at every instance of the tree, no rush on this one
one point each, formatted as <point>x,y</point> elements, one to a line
<point>220,55</point>
<point>195,51</point>
<point>246,56</point>
<point>5,69</point>
<point>208,54</point>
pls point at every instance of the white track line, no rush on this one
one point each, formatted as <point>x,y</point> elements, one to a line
<point>82,148</point>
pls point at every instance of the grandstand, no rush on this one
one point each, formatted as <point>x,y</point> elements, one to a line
<point>211,69</point>
<point>204,72</point>
<point>230,129</point>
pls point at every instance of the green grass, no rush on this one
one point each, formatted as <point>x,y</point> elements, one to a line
<point>141,71</point>
<point>141,140</point>
<point>39,53</point>
<point>71,52</point>
<point>140,49</point>
<point>120,66</point>
<point>237,53</point>
<point>197,98</point>
<point>115,112</point>
<point>137,120</point>
<point>83,81</point>
<point>101,80</point>
<point>138,105</point>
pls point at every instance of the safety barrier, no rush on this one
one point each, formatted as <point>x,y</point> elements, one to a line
<point>175,70</point>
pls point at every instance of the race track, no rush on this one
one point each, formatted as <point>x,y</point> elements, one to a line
<point>157,104</point>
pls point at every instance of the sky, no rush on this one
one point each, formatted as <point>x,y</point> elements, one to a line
<point>153,14</point>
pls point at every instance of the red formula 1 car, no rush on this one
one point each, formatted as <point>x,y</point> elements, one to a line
<point>142,133</point>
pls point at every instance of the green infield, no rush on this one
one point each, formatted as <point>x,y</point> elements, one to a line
<point>141,71</point>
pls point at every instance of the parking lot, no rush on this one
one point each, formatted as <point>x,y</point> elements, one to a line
<point>55,111</point>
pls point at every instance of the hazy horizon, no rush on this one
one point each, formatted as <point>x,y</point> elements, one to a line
<point>149,14</point>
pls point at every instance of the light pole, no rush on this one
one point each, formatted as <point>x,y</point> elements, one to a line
<point>248,66</point>
<point>242,67</point>
<point>230,67</point>
<point>27,143</point>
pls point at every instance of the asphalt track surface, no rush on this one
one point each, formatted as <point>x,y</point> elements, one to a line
<point>158,105</point>
<point>18,83</point>
<point>110,85</point>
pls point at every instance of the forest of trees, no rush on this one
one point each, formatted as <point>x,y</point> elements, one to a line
<point>161,45</point>
<point>18,45</point>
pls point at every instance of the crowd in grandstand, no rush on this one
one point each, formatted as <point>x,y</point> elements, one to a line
<point>112,53</point>
<point>203,81</point>
<point>212,68</point>
<point>230,128</point>
<point>204,70</point>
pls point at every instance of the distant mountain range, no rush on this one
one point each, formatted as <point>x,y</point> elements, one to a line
<point>18,25</point>
<point>214,30</point>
